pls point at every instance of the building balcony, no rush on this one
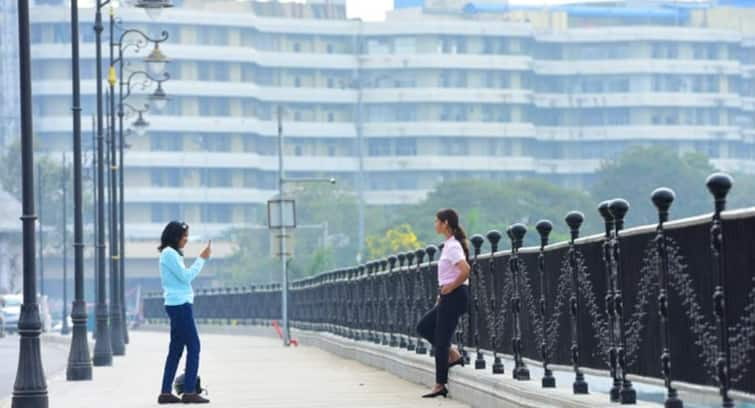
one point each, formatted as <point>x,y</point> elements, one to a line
<point>646,33</point>
<point>210,195</point>
<point>233,160</point>
<point>637,99</point>
<point>449,129</point>
<point>221,124</point>
<point>273,94</point>
<point>446,61</point>
<point>142,238</point>
<point>637,66</point>
<point>227,53</point>
<point>318,130</point>
<point>446,95</point>
<point>638,132</point>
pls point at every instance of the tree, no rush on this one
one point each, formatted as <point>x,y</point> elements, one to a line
<point>321,207</point>
<point>337,208</point>
<point>640,170</point>
<point>250,260</point>
<point>399,239</point>
<point>742,194</point>
<point>485,204</point>
<point>50,173</point>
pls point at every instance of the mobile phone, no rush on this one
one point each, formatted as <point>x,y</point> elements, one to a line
<point>209,244</point>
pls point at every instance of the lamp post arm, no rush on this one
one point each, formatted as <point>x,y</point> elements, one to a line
<point>140,42</point>
<point>148,80</point>
<point>135,109</point>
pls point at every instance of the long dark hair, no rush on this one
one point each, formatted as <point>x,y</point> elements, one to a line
<point>449,215</point>
<point>172,234</point>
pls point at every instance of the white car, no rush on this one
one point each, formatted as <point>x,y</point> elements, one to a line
<point>11,310</point>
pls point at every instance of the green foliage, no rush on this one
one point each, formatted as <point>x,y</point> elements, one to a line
<point>319,209</point>
<point>485,204</point>
<point>319,204</point>
<point>640,170</point>
<point>49,178</point>
<point>250,261</point>
<point>399,239</point>
<point>742,193</point>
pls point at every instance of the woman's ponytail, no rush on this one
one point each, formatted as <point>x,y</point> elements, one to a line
<point>449,215</point>
<point>461,236</point>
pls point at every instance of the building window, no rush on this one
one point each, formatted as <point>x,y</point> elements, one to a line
<point>250,178</point>
<point>165,177</point>
<point>297,47</point>
<point>378,147</point>
<point>406,147</point>
<point>215,178</point>
<point>250,214</point>
<point>215,143</point>
<point>266,180</point>
<point>209,106</point>
<point>407,113</point>
<point>217,213</point>
<point>329,48</point>
<point>455,148</point>
<point>406,181</point>
<point>168,142</point>
<point>162,212</point>
<point>330,116</point>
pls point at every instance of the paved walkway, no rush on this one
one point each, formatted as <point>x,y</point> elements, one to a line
<point>242,372</point>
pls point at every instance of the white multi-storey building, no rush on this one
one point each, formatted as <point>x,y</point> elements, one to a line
<point>450,90</point>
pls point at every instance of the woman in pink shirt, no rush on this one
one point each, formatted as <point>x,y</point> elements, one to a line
<point>439,324</point>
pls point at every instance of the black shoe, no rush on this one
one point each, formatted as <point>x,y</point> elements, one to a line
<point>193,399</point>
<point>168,399</point>
<point>443,391</point>
<point>460,361</point>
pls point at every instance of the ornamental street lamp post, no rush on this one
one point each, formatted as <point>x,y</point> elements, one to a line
<point>30,388</point>
<point>79,361</point>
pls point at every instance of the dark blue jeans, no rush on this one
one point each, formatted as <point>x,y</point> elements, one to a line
<point>183,333</point>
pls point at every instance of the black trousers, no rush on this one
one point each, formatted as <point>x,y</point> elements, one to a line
<point>439,324</point>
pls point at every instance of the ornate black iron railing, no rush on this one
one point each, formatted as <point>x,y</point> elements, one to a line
<point>641,301</point>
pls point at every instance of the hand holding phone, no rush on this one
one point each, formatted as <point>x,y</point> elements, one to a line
<point>207,251</point>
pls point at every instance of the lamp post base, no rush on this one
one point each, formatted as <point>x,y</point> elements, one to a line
<point>79,362</point>
<point>30,389</point>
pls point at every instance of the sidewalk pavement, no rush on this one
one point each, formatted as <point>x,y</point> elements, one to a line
<point>241,372</point>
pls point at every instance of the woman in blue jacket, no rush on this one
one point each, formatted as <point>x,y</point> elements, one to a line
<point>179,297</point>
